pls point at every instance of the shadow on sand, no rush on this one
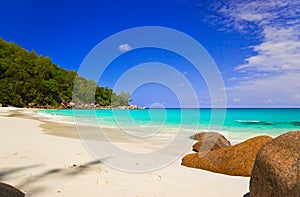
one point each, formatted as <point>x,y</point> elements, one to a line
<point>31,183</point>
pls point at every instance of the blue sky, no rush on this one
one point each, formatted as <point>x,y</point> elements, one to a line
<point>255,44</point>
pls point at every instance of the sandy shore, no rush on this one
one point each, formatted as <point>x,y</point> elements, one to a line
<point>48,159</point>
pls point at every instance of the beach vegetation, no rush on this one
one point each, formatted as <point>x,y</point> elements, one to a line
<point>28,78</point>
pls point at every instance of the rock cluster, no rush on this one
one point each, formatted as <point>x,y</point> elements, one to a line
<point>273,164</point>
<point>234,160</point>
<point>276,171</point>
<point>208,141</point>
<point>9,191</point>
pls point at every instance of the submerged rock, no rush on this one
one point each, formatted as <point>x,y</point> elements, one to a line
<point>234,160</point>
<point>9,191</point>
<point>208,141</point>
<point>276,171</point>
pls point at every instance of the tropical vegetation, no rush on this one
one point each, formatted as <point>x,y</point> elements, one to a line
<point>27,78</point>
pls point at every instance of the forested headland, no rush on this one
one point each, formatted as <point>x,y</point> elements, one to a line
<point>29,79</point>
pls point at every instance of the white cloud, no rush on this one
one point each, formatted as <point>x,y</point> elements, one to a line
<point>272,74</point>
<point>232,79</point>
<point>275,22</point>
<point>269,101</point>
<point>281,89</point>
<point>278,53</point>
<point>236,99</point>
<point>125,47</point>
<point>297,97</point>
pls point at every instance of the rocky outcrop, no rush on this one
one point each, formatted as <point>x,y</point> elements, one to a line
<point>9,191</point>
<point>208,141</point>
<point>276,171</point>
<point>234,160</point>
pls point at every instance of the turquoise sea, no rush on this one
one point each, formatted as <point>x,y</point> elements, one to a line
<point>235,124</point>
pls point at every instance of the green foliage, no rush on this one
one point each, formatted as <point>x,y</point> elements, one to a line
<point>103,96</point>
<point>120,100</point>
<point>27,78</point>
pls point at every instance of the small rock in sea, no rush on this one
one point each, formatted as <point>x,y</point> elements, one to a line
<point>10,191</point>
<point>276,170</point>
<point>296,123</point>
<point>234,160</point>
<point>208,141</point>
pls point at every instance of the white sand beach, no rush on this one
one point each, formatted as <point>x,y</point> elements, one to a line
<point>40,164</point>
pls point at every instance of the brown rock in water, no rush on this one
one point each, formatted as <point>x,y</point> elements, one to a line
<point>208,141</point>
<point>276,171</point>
<point>234,160</point>
<point>9,191</point>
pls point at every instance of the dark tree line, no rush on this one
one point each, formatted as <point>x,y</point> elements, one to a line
<point>27,78</point>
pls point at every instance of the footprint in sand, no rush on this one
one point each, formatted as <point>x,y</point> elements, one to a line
<point>102,171</point>
<point>70,165</point>
<point>154,176</point>
<point>92,170</point>
<point>102,182</point>
<point>87,169</point>
<point>9,155</point>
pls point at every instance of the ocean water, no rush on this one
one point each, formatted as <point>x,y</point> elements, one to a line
<point>236,124</point>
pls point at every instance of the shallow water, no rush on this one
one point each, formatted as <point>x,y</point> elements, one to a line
<point>236,124</point>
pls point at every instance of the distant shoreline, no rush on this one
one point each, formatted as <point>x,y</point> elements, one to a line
<point>83,106</point>
<point>144,107</point>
